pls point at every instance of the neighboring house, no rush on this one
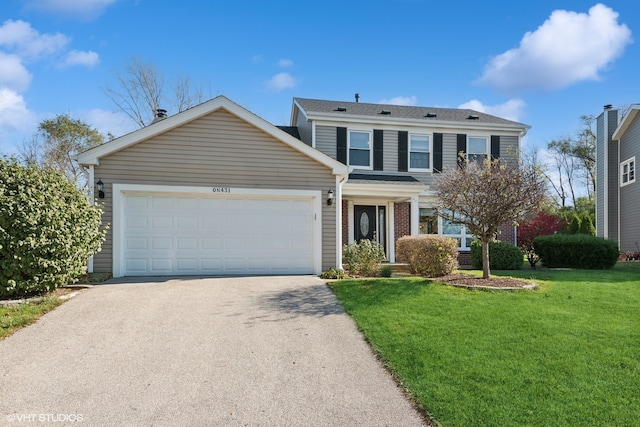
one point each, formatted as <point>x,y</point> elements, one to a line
<point>216,190</point>
<point>617,193</point>
<point>394,153</point>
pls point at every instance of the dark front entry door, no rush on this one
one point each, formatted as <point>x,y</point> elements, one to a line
<point>365,222</point>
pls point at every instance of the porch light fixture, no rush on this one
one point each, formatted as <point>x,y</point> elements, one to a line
<point>330,198</point>
<point>100,186</point>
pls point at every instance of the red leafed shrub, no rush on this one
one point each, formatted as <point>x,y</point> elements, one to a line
<point>543,224</point>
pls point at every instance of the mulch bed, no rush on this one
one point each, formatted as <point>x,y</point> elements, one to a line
<point>494,282</point>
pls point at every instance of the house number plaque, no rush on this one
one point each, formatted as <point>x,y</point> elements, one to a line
<point>221,190</point>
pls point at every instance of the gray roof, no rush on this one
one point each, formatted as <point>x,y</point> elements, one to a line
<point>389,112</point>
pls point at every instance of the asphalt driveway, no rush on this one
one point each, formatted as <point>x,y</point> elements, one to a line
<point>198,351</point>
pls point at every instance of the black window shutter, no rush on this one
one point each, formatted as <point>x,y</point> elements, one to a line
<point>403,151</point>
<point>378,150</point>
<point>437,152</point>
<point>461,149</point>
<point>495,147</point>
<point>341,138</point>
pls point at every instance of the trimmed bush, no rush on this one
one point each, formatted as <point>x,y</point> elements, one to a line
<point>502,256</point>
<point>48,230</point>
<point>363,258</point>
<point>576,251</point>
<point>428,255</point>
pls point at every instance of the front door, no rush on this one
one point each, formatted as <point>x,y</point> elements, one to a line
<point>365,223</point>
<point>370,222</point>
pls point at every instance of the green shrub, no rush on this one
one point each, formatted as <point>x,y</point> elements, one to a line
<point>428,255</point>
<point>576,251</point>
<point>363,258</point>
<point>334,273</point>
<point>48,230</point>
<point>386,271</point>
<point>502,256</point>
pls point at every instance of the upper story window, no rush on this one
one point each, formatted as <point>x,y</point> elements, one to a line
<point>419,152</point>
<point>360,152</point>
<point>628,171</point>
<point>477,149</point>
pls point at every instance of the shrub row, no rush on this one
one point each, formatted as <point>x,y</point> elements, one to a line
<point>576,251</point>
<point>502,256</point>
<point>429,256</point>
<point>48,230</point>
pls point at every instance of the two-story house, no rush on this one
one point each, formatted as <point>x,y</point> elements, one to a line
<point>617,194</point>
<point>394,152</point>
<point>218,190</point>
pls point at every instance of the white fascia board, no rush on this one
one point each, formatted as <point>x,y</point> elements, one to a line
<point>341,118</point>
<point>92,157</point>
<point>626,122</point>
<point>390,191</point>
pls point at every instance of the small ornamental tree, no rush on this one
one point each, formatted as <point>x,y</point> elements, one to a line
<point>543,224</point>
<point>484,196</point>
<point>48,230</point>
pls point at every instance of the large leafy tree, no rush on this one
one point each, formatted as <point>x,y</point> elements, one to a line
<point>483,197</point>
<point>58,142</point>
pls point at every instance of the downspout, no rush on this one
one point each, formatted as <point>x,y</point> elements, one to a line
<point>340,180</point>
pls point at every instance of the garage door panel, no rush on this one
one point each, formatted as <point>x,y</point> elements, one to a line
<point>170,234</point>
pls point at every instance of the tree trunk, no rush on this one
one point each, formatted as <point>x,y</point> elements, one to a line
<point>486,271</point>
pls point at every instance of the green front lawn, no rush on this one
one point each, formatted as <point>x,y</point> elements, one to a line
<point>15,317</point>
<point>567,354</point>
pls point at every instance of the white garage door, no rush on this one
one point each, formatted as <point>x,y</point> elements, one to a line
<point>194,234</point>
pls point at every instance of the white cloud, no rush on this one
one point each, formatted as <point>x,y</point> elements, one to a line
<point>510,110</point>
<point>77,57</point>
<point>13,74</point>
<point>85,9</point>
<point>13,111</point>
<point>285,63</point>
<point>16,121</point>
<point>24,40</point>
<point>567,48</point>
<point>281,81</point>
<point>400,100</point>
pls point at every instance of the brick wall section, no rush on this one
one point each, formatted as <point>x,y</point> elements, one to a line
<point>345,222</point>
<point>464,258</point>
<point>402,220</point>
<point>507,233</point>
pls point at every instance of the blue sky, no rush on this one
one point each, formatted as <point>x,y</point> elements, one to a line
<point>543,63</point>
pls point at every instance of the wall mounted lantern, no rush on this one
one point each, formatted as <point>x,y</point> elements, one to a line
<point>330,198</point>
<point>100,186</point>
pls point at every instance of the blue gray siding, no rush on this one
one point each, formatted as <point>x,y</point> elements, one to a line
<point>600,176</point>
<point>630,194</point>
<point>613,180</point>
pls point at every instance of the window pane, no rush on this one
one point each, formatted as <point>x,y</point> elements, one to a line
<point>359,157</point>
<point>420,143</point>
<point>428,221</point>
<point>477,158</point>
<point>448,228</point>
<point>477,145</point>
<point>419,161</point>
<point>359,140</point>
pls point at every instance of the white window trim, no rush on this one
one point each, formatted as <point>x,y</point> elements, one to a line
<point>430,168</point>
<point>487,145</point>
<point>630,161</point>
<point>368,131</point>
